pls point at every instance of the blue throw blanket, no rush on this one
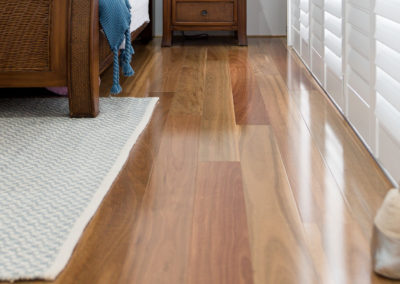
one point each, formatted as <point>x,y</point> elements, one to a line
<point>115,19</point>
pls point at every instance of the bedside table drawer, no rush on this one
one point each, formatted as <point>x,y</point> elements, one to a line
<point>195,13</point>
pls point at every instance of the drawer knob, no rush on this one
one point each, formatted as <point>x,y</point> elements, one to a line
<point>204,13</point>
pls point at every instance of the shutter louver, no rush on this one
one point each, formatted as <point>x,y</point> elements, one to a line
<point>359,80</point>
<point>305,30</point>
<point>295,22</point>
<point>317,40</point>
<point>388,83</point>
<point>333,51</point>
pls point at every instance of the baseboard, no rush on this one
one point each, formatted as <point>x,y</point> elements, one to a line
<point>249,36</point>
<point>267,36</point>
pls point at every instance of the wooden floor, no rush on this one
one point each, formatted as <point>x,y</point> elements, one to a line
<point>246,174</point>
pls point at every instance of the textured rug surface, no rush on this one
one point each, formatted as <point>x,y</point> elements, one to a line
<point>54,173</point>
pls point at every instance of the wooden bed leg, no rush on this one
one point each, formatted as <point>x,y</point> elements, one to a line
<point>83,57</point>
<point>147,33</point>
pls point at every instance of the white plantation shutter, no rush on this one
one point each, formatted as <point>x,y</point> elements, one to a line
<point>352,47</point>
<point>295,24</point>
<point>305,31</point>
<point>317,40</point>
<point>359,78</point>
<point>388,84</point>
<point>333,50</point>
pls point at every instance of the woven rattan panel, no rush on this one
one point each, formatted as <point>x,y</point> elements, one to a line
<point>104,50</point>
<point>25,35</point>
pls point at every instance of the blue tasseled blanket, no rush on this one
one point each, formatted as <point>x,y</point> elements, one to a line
<point>115,19</point>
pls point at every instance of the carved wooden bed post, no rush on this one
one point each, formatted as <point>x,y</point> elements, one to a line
<point>83,54</point>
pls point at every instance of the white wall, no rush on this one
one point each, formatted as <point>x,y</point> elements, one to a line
<point>264,17</point>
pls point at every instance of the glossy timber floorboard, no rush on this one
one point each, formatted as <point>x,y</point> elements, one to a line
<point>246,174</point>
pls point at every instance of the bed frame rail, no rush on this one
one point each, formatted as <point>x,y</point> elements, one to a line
<point>60,48</point>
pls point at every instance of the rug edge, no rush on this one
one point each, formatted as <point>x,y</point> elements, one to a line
<point>69,245</point>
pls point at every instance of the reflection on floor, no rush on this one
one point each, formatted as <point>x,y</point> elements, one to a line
<point>246,174</point>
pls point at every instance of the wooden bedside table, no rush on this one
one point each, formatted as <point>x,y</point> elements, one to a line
<point>205,15</point>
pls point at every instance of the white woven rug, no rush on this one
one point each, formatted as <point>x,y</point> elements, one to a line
<point>54,173</point>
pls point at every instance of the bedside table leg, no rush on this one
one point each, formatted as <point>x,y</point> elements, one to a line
<point>167,39</point>
<point>242,38</point>
<point>242,22</point>
<point>167,31</point>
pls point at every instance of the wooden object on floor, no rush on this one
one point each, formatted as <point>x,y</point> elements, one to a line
<point>57,43</point>
<point>83,73</point>
<point>203,15</point>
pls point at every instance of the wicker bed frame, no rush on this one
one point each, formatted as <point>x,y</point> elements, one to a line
<point>57,43</point>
